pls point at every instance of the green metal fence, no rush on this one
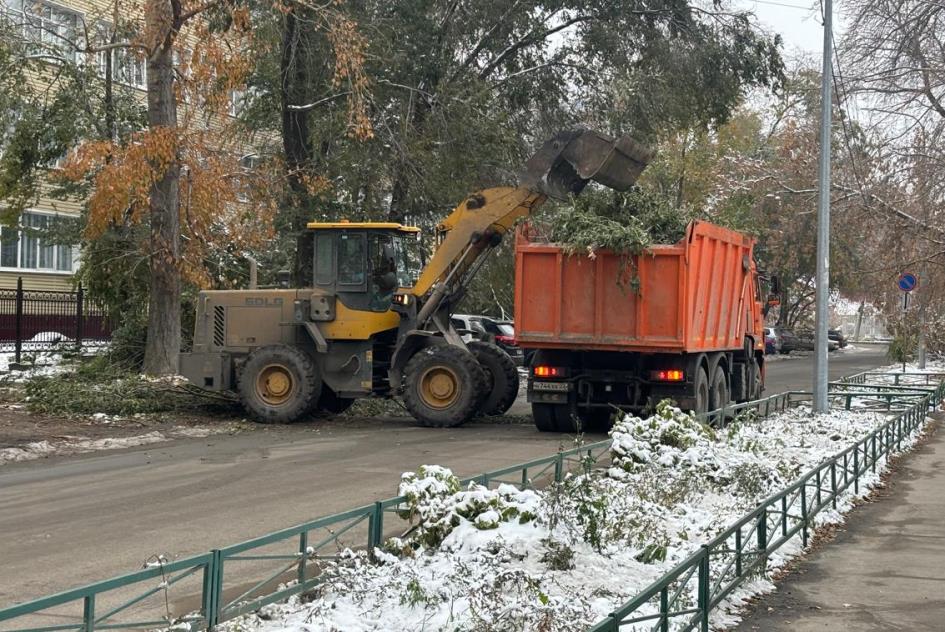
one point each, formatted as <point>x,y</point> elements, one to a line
<point>203,590</point>
<point>685,596</point>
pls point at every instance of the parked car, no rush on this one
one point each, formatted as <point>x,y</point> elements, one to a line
<point>784,339</point>
<point>837,336</point>
<point>501,332</point>
<point>805,341</point>
<point>772,345</point>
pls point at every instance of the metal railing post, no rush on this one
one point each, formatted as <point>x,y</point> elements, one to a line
<point>88,613</point>
<point>833,483</point>
<point>704,580</point>
<point>303,556</point>
<point>18,322</point>
<point>209,577</point>
<point>216,589</point>
<point>762,537</point>
<point>817,478</point>
<point>738,552</point>
<point>856,469</point>
<point>79,311</point>
<point>375,528</point>
<point>559,468</point>
<point>784,515</point>
<point>804,514</point>
<point>664,610</point>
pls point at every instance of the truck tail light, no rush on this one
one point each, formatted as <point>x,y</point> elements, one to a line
<point>547,371</point>
<point>669,375</point>
<point>401,299</point>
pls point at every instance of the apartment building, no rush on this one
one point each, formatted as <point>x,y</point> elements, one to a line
<point>25,251</point>
<point>61,26</point>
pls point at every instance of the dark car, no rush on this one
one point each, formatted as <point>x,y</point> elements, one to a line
<point>837,336</point>
<point>501,332</point>
<point>504,333</point>
<point>806,342</point>
<point>786,340</point>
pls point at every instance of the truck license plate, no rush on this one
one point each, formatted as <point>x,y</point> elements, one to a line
<point>551,386</point>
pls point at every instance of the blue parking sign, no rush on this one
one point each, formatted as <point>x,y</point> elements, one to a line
<point>907,281</point>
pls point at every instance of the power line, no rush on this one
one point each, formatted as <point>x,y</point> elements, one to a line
<point>782,4</point>
<point>843,96</point>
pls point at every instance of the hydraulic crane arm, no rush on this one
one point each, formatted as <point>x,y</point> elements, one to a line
<point>562,167</point>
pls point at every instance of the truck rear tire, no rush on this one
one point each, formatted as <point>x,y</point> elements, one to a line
<point>279,384</point>
<point>552,417</point>
<point>501,374</point>
<point>597,420</point>
<point>444,386</point>
<point>719,395</point>
<point>701,389</point>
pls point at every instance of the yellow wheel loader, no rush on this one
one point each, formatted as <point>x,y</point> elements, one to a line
<point>373,323</point>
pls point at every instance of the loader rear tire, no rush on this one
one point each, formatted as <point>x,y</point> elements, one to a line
<point>444,386</point>
<point>502,386</point>
<point>279,384</point>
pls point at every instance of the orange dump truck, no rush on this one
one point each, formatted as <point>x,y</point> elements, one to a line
<point>689,327</point>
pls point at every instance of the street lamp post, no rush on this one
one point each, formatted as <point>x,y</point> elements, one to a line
<point>821,404</point>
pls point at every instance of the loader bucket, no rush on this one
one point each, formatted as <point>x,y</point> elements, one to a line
<point>566,163</point>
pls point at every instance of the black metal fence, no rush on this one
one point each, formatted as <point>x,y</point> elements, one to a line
<point>37,320</point>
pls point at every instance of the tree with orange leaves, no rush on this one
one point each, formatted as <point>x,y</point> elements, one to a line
<point>179,179</point>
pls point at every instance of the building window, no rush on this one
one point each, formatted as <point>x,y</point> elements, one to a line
<point>28,248</point>
<point>127,68</point>
<point>248,166</point>
<point>52,27</point>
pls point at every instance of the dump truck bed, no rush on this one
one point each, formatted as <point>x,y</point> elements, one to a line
<point>695,295</point>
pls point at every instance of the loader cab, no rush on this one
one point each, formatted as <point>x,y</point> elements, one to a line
<point>364,263</point>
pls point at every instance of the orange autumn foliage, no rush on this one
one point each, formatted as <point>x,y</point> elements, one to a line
<point>223,206</point>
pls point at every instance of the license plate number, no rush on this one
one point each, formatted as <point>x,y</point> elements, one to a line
<point>551,386</point>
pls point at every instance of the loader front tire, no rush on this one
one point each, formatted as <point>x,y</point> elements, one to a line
<point>279,384</point>
<point>502,385</point>
<point>444,386</point>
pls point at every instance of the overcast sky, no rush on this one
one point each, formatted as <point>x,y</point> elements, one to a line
<point>798,22</point>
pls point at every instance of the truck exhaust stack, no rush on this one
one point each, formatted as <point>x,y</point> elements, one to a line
<point>566,163</point>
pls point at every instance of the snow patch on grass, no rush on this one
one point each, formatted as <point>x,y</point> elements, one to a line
<point>564,557</point>
<point>69,445</point>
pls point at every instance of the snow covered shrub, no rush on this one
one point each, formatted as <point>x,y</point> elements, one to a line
<point>434,500</point>
<point>513,599</point>
<point>661,438</point>
<point>426,491</point>
<point>558,556</point>
<point>753,480</point>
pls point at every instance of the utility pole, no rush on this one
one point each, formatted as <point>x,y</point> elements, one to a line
<point>923,303</point>
<point>821,404</point>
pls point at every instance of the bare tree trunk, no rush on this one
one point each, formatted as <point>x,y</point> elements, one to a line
<point>163,345</point>
<point>297,143</point>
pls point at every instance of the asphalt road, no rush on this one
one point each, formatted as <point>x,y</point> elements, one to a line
<point>68,521</point>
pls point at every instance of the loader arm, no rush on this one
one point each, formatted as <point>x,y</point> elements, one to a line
<point>560,168</point>
<point>467,232</point>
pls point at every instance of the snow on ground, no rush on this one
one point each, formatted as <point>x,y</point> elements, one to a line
<point>564,557</point>
<point>68,445</point>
